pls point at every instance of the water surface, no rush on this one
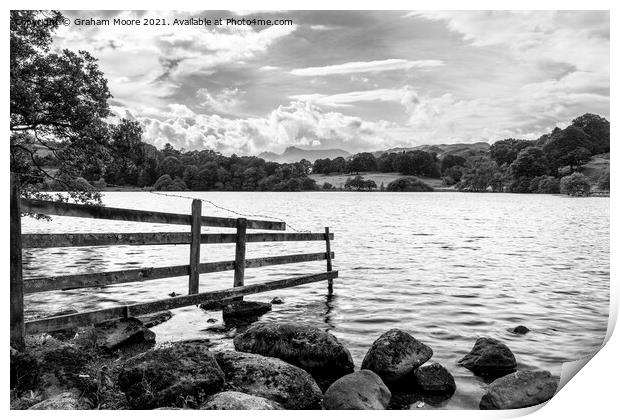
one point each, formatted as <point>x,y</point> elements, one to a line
<point>446,267</point>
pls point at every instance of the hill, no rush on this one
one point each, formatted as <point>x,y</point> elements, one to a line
<point>295,154</point>
<point>460,149</point>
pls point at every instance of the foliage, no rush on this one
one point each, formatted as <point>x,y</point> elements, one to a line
<point>480,174</point>
<point>408,184</point>
<point>575,184</point>
<point>530,162</point>
<point>597,128</point>
<point>417,162</point>
<point>568,147</point>
<point>359,183</point>
<point>603,182</point>
<point>506,151</point>
<point>450,161</point>
<point>58,107</point>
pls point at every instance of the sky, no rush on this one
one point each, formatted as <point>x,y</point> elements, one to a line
<point>354,80</point>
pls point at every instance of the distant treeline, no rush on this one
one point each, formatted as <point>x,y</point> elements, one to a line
<point>512,165</point>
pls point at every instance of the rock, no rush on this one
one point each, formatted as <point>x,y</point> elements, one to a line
<point>243,309</point>
<point>211,320</point>
<point>489,357</point>
<point>66,334</point>
<point>64,401</point>
<point>150,320</point>
<point>214,305</point>
<point>52,367</point>
<point>233,400</point>
<point>112,335</point>
<point>435,379</point>
<point>277,301</point>
<point>171,376</point>
<point>518,390</point>
<point>363,390</point>
<point>521,330</point>
<point>395,355</point>
<point>317,352</point>
<point>270,378</point>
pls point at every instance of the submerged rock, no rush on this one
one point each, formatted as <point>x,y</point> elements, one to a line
<point>150,320</point>
<point>518,390</point>
<point>64,401</point>
<point>113,335</point>
<point>233,400</point>
<point>395,355</point>
<point>171,376</point>
<point>270,378</point>
<point>363,390</point>
<point>489,357</point>
<point>435,379</point>
<point>317,352</point>
<point>521,329</point>
<point>243,309</point>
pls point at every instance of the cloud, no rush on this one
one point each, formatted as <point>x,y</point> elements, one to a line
<point>366,67</point>
<point>228,100</point>
<point>299,123</point>
<point>348,98</point>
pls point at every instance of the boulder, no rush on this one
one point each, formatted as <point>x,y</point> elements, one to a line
<point>233,400</point>
<point>435,379</point>
<point>363,390</point>
<point>64,401</point>
<point>244,309</point>
<point>277,301</point>
<point>317,352</point>
<point>489,357</point>
<point>521,329</point>
<point>395,355</point>
<point>270,378</point>
<point>171,376</point>
<point>113,335</point>
<point>518,390</point>
<point>150,320</point>
<point>52,367</point>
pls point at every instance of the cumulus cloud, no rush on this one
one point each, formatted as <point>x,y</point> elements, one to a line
<point>228,100</point>
<point>366,67</point>
<point>298,123</point>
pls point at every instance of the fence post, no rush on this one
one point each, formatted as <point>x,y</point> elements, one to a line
<point>240,254</point>
<point>328,250</point>
<point>194,248</point>
<point>17,284</point>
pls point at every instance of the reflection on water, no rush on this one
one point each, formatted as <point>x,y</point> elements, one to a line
<point>447,267</point>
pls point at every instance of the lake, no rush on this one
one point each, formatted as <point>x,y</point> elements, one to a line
<point>446,267</point>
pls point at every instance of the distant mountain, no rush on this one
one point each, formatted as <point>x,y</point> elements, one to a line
<point>295,154</point>
<point>460,149</point>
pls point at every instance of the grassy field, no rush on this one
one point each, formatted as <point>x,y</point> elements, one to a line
<point>595,167</point>
<point>338,180</point>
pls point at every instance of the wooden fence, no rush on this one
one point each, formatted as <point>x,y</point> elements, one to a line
<point>195,238</point>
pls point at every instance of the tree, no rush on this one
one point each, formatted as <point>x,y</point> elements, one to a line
<point>597,128</point>
<point>506,151</point>
<point>449,161</point>
<point>126,153</point>
<point>408,184</point>
<point>530,162</point>
<point>575,184</point>
<point>58,104</point>
<point>362,162</point>
<point>479,175</point>
<point>417,162</point>
<point>603,182</point>
<point>563,145</point>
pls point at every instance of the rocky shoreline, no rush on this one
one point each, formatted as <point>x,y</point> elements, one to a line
<point>277,365</point>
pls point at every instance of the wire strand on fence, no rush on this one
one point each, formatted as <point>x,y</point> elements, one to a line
<point>204,200</point>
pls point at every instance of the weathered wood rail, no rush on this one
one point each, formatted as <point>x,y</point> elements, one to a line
<point>194,238</point>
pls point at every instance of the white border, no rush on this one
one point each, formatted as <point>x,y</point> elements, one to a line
<point>592,394</point>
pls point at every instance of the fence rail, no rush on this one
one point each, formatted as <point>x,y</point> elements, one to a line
<point>194,239</point>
